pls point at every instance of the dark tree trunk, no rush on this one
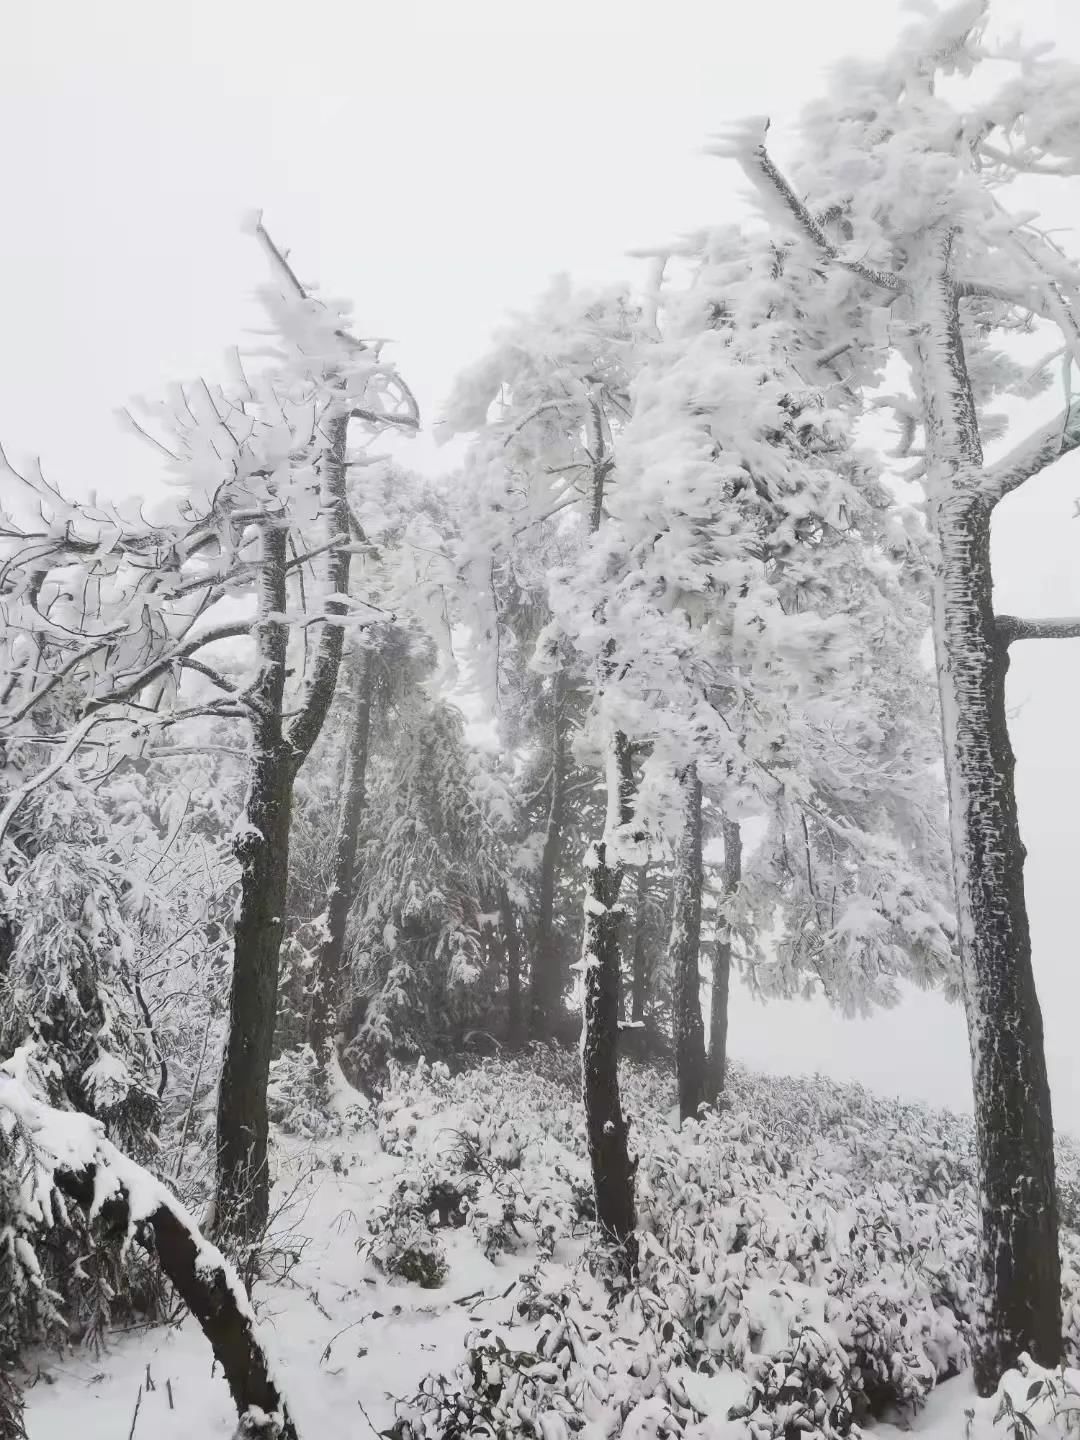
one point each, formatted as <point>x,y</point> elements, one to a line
<point>721,976</point>
<point>197,1273</point>
<point>329,964</point>
<point>262,847</point>
<point>684,949</point>
<point>242,1201</point>
<point>612,1169</point>
<point>639,980</point>
<point>514,1018</point>
<point>1019,1295</point>
<point>546,979</point>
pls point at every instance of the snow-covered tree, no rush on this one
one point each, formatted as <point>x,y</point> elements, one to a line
<point>540,409</point>
<point>741,602</point>
<point>117,611</point>
<point>900,229</point>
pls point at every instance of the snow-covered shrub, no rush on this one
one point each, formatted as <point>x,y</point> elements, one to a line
<point>807,1253</point>
<point>297,1103</point>
<point>59,1282</point>
<point>70,983</point>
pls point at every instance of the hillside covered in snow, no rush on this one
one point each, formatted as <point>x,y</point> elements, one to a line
<point>807,1269</point>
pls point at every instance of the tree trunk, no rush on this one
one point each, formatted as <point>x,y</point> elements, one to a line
<point>262,847</point>
<point>329,963</point>
<point>242,1201</point>
<point>1019,1298</point>
<point>513,968</point>
<point>721,976</point>
<point>546,980</point>
<point>612,1169</point>
<point>639,980</point>
<point>684,949</point>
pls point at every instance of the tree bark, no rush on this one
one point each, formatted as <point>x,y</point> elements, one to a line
<point>242,1201</point>
<point>612,1169</point>
<point>684,949</point>
<point>721,976</point>
<point>1019,1298</point>
<point>513,968</point>
<point>639,979</point>
<point>262,847</point>
<point>546,980</point>
<point>329,963</point>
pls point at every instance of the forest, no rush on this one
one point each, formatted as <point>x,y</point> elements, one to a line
<point>378,848</point>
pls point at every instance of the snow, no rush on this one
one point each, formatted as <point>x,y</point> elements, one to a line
<point>346,1334</point>
<point>662,511</point>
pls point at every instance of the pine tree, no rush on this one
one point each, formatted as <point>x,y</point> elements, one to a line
<point>906,242</point>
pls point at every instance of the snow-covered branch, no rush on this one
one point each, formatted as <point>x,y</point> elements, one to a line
<point>230,631</point>
<point>1032,455</point>
<point>1014,627</point>
<point>18,796</point>
<point>746,144</point>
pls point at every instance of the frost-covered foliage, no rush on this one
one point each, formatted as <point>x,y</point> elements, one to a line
<point>909,239</point>
<point>751,578</point>
<point>62,1280</point>
<point>299,1102</point>
<point>531,406</point>
<point>807,1253</point>
<point>112,897</point>
<point>69,980</point>
<point>433,859</point>
<point>69,1195</point>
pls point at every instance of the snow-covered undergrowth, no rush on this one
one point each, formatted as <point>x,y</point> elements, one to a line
<point>807,1268</point>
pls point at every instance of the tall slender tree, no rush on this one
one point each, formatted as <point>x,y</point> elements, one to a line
<point>716,1072</point>
<point>329,966</point>
<point>684,950</point>
<point>261,517</point>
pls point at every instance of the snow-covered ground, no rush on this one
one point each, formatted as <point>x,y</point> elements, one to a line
<point>811,1237</point>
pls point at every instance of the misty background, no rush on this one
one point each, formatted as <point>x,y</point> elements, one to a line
<point>437,163</point>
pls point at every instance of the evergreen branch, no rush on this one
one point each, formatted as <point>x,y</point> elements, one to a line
<point>764,172</point>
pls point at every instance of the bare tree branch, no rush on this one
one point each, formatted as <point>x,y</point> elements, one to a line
<point>229,631</point>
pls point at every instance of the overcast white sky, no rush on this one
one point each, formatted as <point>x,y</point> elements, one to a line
<point>436,161</point>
